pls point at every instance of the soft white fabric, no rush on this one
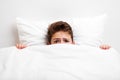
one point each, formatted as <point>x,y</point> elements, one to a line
<point>59,62</point>
<point>86,30</point>
<point>89,30</point>
<point>31,32</point>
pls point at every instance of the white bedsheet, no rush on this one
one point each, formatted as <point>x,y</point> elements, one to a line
<point>59,62</point>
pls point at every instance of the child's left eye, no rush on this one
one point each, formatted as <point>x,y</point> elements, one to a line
<point>66,40</point>
<point>56,41</point>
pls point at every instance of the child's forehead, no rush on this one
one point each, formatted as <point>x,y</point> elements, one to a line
<point>61,36</point>
<point>61,33</point>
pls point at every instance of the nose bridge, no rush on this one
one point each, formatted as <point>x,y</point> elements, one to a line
<point>62,41</point>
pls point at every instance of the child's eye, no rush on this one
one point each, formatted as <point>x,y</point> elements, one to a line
<point>56,41</point>
<point>66,40</point>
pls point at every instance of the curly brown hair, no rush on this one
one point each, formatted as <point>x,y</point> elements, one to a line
<point>56,27</point>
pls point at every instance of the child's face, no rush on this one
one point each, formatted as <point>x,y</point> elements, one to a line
<point>61,38</point>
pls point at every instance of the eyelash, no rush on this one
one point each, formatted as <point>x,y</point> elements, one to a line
<point>66,40</point>
<point>56,41</point>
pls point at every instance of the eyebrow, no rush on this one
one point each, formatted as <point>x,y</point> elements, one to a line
<point>59,38</point>
<point>56,38</point>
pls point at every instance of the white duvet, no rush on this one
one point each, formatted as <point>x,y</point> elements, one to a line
<point>59,62</point>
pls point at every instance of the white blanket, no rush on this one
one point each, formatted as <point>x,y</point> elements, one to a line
<point>59,62</point>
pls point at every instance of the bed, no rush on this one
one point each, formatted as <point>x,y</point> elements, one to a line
<point>83,61</point>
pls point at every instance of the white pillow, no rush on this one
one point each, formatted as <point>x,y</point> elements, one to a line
<point>86,30</point>
<point>89,30</point>
<point>31,32</point>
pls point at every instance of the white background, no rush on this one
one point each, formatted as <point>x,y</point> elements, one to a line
<point>53,9</point>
